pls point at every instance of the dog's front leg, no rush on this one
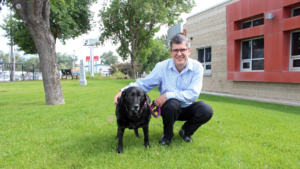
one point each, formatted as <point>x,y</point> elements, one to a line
<point>146,136</point>
<point>120,137</point>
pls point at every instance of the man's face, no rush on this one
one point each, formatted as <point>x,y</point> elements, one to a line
<point>180,54</point>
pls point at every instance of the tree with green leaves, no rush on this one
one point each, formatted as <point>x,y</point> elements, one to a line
<point>4,56</point>
<point>158,52</point>
<point>32,64</point>
<point>36,18</point>
<point>125,68</point>
<point>133,22</point>
<point>109,58</point>
<point>65,61</point>
<point>18,60</point>
<point>67,20</point>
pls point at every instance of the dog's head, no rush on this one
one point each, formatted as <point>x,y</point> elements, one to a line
<point>133,99</point>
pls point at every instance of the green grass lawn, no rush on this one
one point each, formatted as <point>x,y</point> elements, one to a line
<point>241,134</point>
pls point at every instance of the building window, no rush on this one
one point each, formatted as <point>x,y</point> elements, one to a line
<point>295,51</point>
<point>204,56</point>
<point>253,23</point>
<point>252,55</point>
<point>296,12</point>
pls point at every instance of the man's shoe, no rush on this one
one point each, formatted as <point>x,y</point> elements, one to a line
<point>185,137</point>
<point>164,141</point>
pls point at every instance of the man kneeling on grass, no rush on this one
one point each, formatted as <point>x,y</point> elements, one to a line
<point>179,81</point>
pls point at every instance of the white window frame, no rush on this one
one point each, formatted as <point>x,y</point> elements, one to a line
<point>293,11</point>
<point>252,22</point>
<point>206,72</point>
<point>291,58</point>
<point>249,60</point>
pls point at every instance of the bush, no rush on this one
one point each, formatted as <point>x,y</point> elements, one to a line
<point>118,74</point>
<point>97,76</point>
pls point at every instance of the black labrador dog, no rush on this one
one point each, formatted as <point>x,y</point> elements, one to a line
<point>132,112</point>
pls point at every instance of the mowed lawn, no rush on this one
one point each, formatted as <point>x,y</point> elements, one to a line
<point>78,134</point>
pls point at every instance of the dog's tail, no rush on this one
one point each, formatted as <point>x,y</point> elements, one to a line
<point>136,132</point>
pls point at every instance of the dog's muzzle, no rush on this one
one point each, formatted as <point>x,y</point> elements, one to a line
<point>136,108</point>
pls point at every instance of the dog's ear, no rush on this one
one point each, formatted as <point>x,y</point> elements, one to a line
<point>147,98</point>
<point>120,101</point>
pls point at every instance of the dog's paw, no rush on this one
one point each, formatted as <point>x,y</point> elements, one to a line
<point>147,145</point>
<point>119,150</point>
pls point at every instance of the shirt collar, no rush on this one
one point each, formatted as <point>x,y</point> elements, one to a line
<point>189,65</point>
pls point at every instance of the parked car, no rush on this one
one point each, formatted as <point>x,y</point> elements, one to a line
<point>35,77</point>
<point>17,78</point>
<point>23,78</point>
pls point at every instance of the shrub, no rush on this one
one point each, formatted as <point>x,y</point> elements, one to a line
<point>118,74</point>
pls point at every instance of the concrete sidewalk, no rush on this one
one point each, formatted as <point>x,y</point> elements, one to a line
<point>278,101</point>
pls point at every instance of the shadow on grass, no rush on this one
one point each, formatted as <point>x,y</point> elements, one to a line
<point>271,106</point>
<point>104,144</point>
<point>101,144</point>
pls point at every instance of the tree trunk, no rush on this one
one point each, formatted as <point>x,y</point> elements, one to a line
<point>35,15</point>
<point>133,68</point>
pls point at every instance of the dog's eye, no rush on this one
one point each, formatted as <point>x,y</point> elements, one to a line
<point>139,96</point>
<point>131,95</point>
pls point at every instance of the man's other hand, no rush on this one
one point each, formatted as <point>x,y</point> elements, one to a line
<point>117,97</point>
<point>161,100</point>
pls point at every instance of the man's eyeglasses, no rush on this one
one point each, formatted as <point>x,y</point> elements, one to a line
<point>175,51</point>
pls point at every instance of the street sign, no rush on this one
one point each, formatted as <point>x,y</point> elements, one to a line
<point>90,42</point>
<point>87,58</point>
<point>96,58</point>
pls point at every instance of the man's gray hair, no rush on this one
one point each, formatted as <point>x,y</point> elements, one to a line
<point>179,39</point>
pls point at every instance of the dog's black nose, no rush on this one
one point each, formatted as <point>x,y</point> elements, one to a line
<point>136,107</point>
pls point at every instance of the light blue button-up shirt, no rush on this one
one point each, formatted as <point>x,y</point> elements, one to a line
<point>184,86</point>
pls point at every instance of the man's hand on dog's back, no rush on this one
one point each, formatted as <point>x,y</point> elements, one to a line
<point>117,97</point>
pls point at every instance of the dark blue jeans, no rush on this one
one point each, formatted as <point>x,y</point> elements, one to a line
<point>195,115</point>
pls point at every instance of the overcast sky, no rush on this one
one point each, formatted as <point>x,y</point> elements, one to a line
<point>83,51</point>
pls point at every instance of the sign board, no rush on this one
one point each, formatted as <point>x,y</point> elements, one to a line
<point>87,58</point>
<point>90,42</point>
<point>96,58</point>
<point>174,30</point>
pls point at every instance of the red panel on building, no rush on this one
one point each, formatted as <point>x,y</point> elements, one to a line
<point>290,2</point>
<point>291,77</point>
<point>249,76</point>
<point>273,52</point>
<point>273,77</point>
<point>273,4</point>
<point>277,39</point>
<point>291,23</point>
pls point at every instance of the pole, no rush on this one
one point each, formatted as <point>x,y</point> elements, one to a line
<point>73,61</point>
<point>22,72</point>
<point>12,51</point>
<point>92,61</point>
<point>96,67</point>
